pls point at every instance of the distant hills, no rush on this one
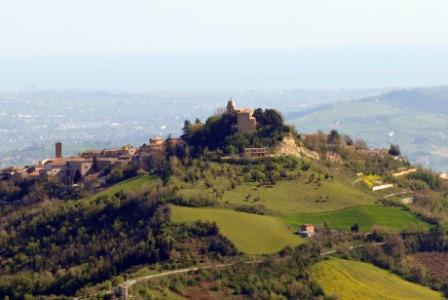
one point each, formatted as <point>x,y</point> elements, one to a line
<point>417,119</point>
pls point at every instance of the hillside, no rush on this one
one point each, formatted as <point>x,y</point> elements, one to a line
<point>356,280</point>
<point>204,201</point>
<point>416,119</point>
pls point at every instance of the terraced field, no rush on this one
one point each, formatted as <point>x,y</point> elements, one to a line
<point>365,216</point>
<point>252,234</point>
<point>356,280</point>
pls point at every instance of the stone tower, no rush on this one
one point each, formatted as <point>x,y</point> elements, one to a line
<point>230,106</point>
<point>58,149</point>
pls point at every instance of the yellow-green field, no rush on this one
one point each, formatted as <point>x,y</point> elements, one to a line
<point>356,280</point>
<point>252,234</point>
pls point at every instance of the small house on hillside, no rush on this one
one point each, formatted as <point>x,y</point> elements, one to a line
<point>255,152</point>
<point>307,230</point>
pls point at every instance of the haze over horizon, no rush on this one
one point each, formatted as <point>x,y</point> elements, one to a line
<point>203,45</point>
<point>232,70</point>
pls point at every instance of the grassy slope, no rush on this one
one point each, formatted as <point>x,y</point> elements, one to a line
<point>253,234</point>
<point>365,216</point>
<point>132,184</point>
<point>357,280</point>
<point>337,202</point>
<point>289,196</point>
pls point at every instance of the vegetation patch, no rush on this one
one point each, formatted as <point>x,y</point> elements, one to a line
<point>365,216</point>
<point>370,180</point>
<point>251,233</point>
<point>356,280</point>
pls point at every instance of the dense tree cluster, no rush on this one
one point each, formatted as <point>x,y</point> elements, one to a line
<point>60,247</point>
<point>220,132</point>
<point>394,150</point>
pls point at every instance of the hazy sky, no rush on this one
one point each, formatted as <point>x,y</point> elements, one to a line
<point>143,26</point>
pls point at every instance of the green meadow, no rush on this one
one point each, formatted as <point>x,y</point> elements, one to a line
<point>365,216</point>
<point>252,234</point>
<point>347,279</point>
<point>294,196</point>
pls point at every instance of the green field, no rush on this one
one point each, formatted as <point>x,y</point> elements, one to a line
<point>133,184</point>
<point>252,234</point>
<point>364,216</point>
<point>356,280</point>
<point>298,196</point>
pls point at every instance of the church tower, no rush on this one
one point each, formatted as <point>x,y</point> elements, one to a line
<point>58,149</point>
<point>230,106</point>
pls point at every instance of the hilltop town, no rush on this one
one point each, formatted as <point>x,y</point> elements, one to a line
<point>71,170</point>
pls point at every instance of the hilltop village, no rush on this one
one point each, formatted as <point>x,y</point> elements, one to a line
<point>276,140</point>
<point>70,170</point>
<point>232,134</point>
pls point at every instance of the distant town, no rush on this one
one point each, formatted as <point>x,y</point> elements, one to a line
<point>71,170</point>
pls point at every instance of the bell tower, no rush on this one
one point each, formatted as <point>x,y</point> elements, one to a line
<point>230,106</point>
<point>58,150</point>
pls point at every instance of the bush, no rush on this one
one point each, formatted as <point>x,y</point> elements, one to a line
<point>394,150</point>
<point>259,209</point>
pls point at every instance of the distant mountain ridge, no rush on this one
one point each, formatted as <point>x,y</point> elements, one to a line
<point>416,118</point>
<point>433,100</point>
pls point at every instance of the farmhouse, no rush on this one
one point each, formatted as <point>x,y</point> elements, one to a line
<point>307,230</point>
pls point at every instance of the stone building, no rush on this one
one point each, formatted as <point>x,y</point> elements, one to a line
<point>158,145</point>
<point>125,151</point>
<point>73,169</point>
<point>255,152</point>
<point>246,121</point>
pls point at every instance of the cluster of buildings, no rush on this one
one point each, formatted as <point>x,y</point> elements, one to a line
<point>72,169</point>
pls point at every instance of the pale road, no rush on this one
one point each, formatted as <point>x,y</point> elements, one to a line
<point>130,282</point>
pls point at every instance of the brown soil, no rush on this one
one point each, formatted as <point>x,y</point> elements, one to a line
<point>435,262</point>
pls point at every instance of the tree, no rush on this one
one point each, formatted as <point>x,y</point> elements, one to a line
<point>348,140</point>
<point>394,150</point>
<point>355,228</point>
<point>334,138</point>
<point>445,289</point>
<point>186,131</point>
